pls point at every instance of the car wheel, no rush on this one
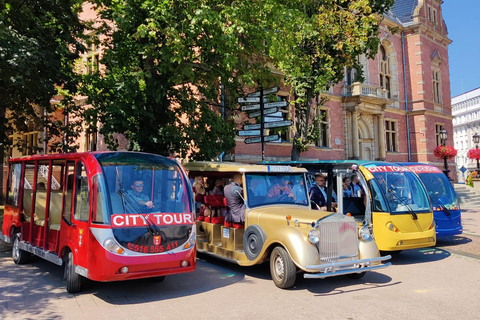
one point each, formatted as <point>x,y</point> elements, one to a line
<point>74,280</point>
<point>282,268</point>
<point>253,240</point>
<point>19,256</point>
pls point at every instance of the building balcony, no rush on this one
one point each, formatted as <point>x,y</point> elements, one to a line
<point>374,94</point>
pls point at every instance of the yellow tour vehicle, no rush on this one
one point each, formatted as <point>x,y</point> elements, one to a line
<point>395,204</point>
<point>278,224</point>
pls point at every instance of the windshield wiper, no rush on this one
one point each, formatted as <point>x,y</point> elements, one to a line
<point>135,207</point>
<point>437,200</point>
<point>402,201</point>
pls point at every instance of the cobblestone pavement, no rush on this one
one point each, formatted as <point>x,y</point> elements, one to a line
<point>432,283</point>
<point>468,243</point>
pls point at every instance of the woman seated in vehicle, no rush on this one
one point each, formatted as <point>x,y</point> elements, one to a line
<point>199,190</point>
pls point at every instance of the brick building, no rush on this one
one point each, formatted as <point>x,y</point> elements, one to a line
<point>396,114</point>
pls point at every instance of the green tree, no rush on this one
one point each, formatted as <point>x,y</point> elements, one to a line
<point>167,66</point>
<point>39,41</point>
<point>313,41</point>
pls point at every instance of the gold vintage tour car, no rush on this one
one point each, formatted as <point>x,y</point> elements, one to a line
<point>280,226</point>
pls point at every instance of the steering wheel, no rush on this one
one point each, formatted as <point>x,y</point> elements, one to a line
<point>283,197</point>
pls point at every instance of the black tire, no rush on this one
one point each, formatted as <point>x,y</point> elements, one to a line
<point>19,256</point>
<point>253,240</point>
<point>356,275</point>
<point>74,280</point>
<point>158,279</point>
<point>282,268</point>
<point>392,253</point>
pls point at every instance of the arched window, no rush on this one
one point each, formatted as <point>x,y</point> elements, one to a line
<point>385,72</point>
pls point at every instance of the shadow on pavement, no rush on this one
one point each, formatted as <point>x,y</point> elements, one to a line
<point>419,256</point>
<point>27,289</point>
<point>343,284</point>
<point>452,241</point>
<point>39,277</point>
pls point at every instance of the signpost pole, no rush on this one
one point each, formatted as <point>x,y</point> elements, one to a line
<point>262,123</point>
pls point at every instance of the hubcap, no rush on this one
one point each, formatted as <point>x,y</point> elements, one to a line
<point>279,267</point>
<point>16,249</point>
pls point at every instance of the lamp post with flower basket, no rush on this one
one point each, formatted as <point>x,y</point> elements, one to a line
<point>444,152</point>
<point>474,154</point>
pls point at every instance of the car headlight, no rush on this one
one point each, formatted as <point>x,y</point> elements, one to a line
<point>314,236</point>
<point>365,234</point>
<point>111,245</point>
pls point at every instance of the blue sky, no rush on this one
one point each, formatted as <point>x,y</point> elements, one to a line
<point>463,24</point>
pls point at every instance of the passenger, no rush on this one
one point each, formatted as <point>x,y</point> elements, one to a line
<point>258,186</point>
<point>281,189</point>
<point>41,186</point>
<point>236,204</point>
<point>200,191</point>
<point>381,181</point>
<point>217,187</point>
<point>347,187</point>
<point>137,195</point>
<point>298,191</point>
<point>318,194</point>
<point>357,187</point>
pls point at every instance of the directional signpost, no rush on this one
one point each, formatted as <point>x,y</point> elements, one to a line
<point>255,102</point>
<point>272,137</point>
<point>255,114</point>
<point>265,92</point>
<point>255,126</point>
<point>267,105</point>
<point>249,100</point>
<point>243,133</point>
<point>277,124</point>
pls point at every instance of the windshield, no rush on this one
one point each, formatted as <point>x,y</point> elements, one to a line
<point>440,190</point>
<point>275,188</point>
<point>149,201</point>
<point>398,191</point>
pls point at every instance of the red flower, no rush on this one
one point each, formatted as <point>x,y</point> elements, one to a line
<point>474,154</point>
<point>445,152</point>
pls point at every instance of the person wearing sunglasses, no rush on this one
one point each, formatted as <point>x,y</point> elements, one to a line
<point>137,195</point>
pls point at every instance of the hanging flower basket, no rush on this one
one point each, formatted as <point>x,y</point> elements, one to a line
<point>473,154</point>
<point>443,152</point>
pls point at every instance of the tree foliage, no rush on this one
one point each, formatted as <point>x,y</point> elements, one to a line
<point>312,42</point>
<point>39,41</point>
<point>167,66</point>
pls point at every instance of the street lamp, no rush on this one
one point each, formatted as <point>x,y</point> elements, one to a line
<point>443,138</point>
<point>476,140</point>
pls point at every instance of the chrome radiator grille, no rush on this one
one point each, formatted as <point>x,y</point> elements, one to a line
<point>338,239</point>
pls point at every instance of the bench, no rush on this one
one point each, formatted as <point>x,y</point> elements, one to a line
<point>56,198</point>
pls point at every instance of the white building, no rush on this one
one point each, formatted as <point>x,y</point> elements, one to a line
<point>466,109</point>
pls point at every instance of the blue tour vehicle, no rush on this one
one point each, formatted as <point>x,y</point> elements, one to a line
<point>446,210</point>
